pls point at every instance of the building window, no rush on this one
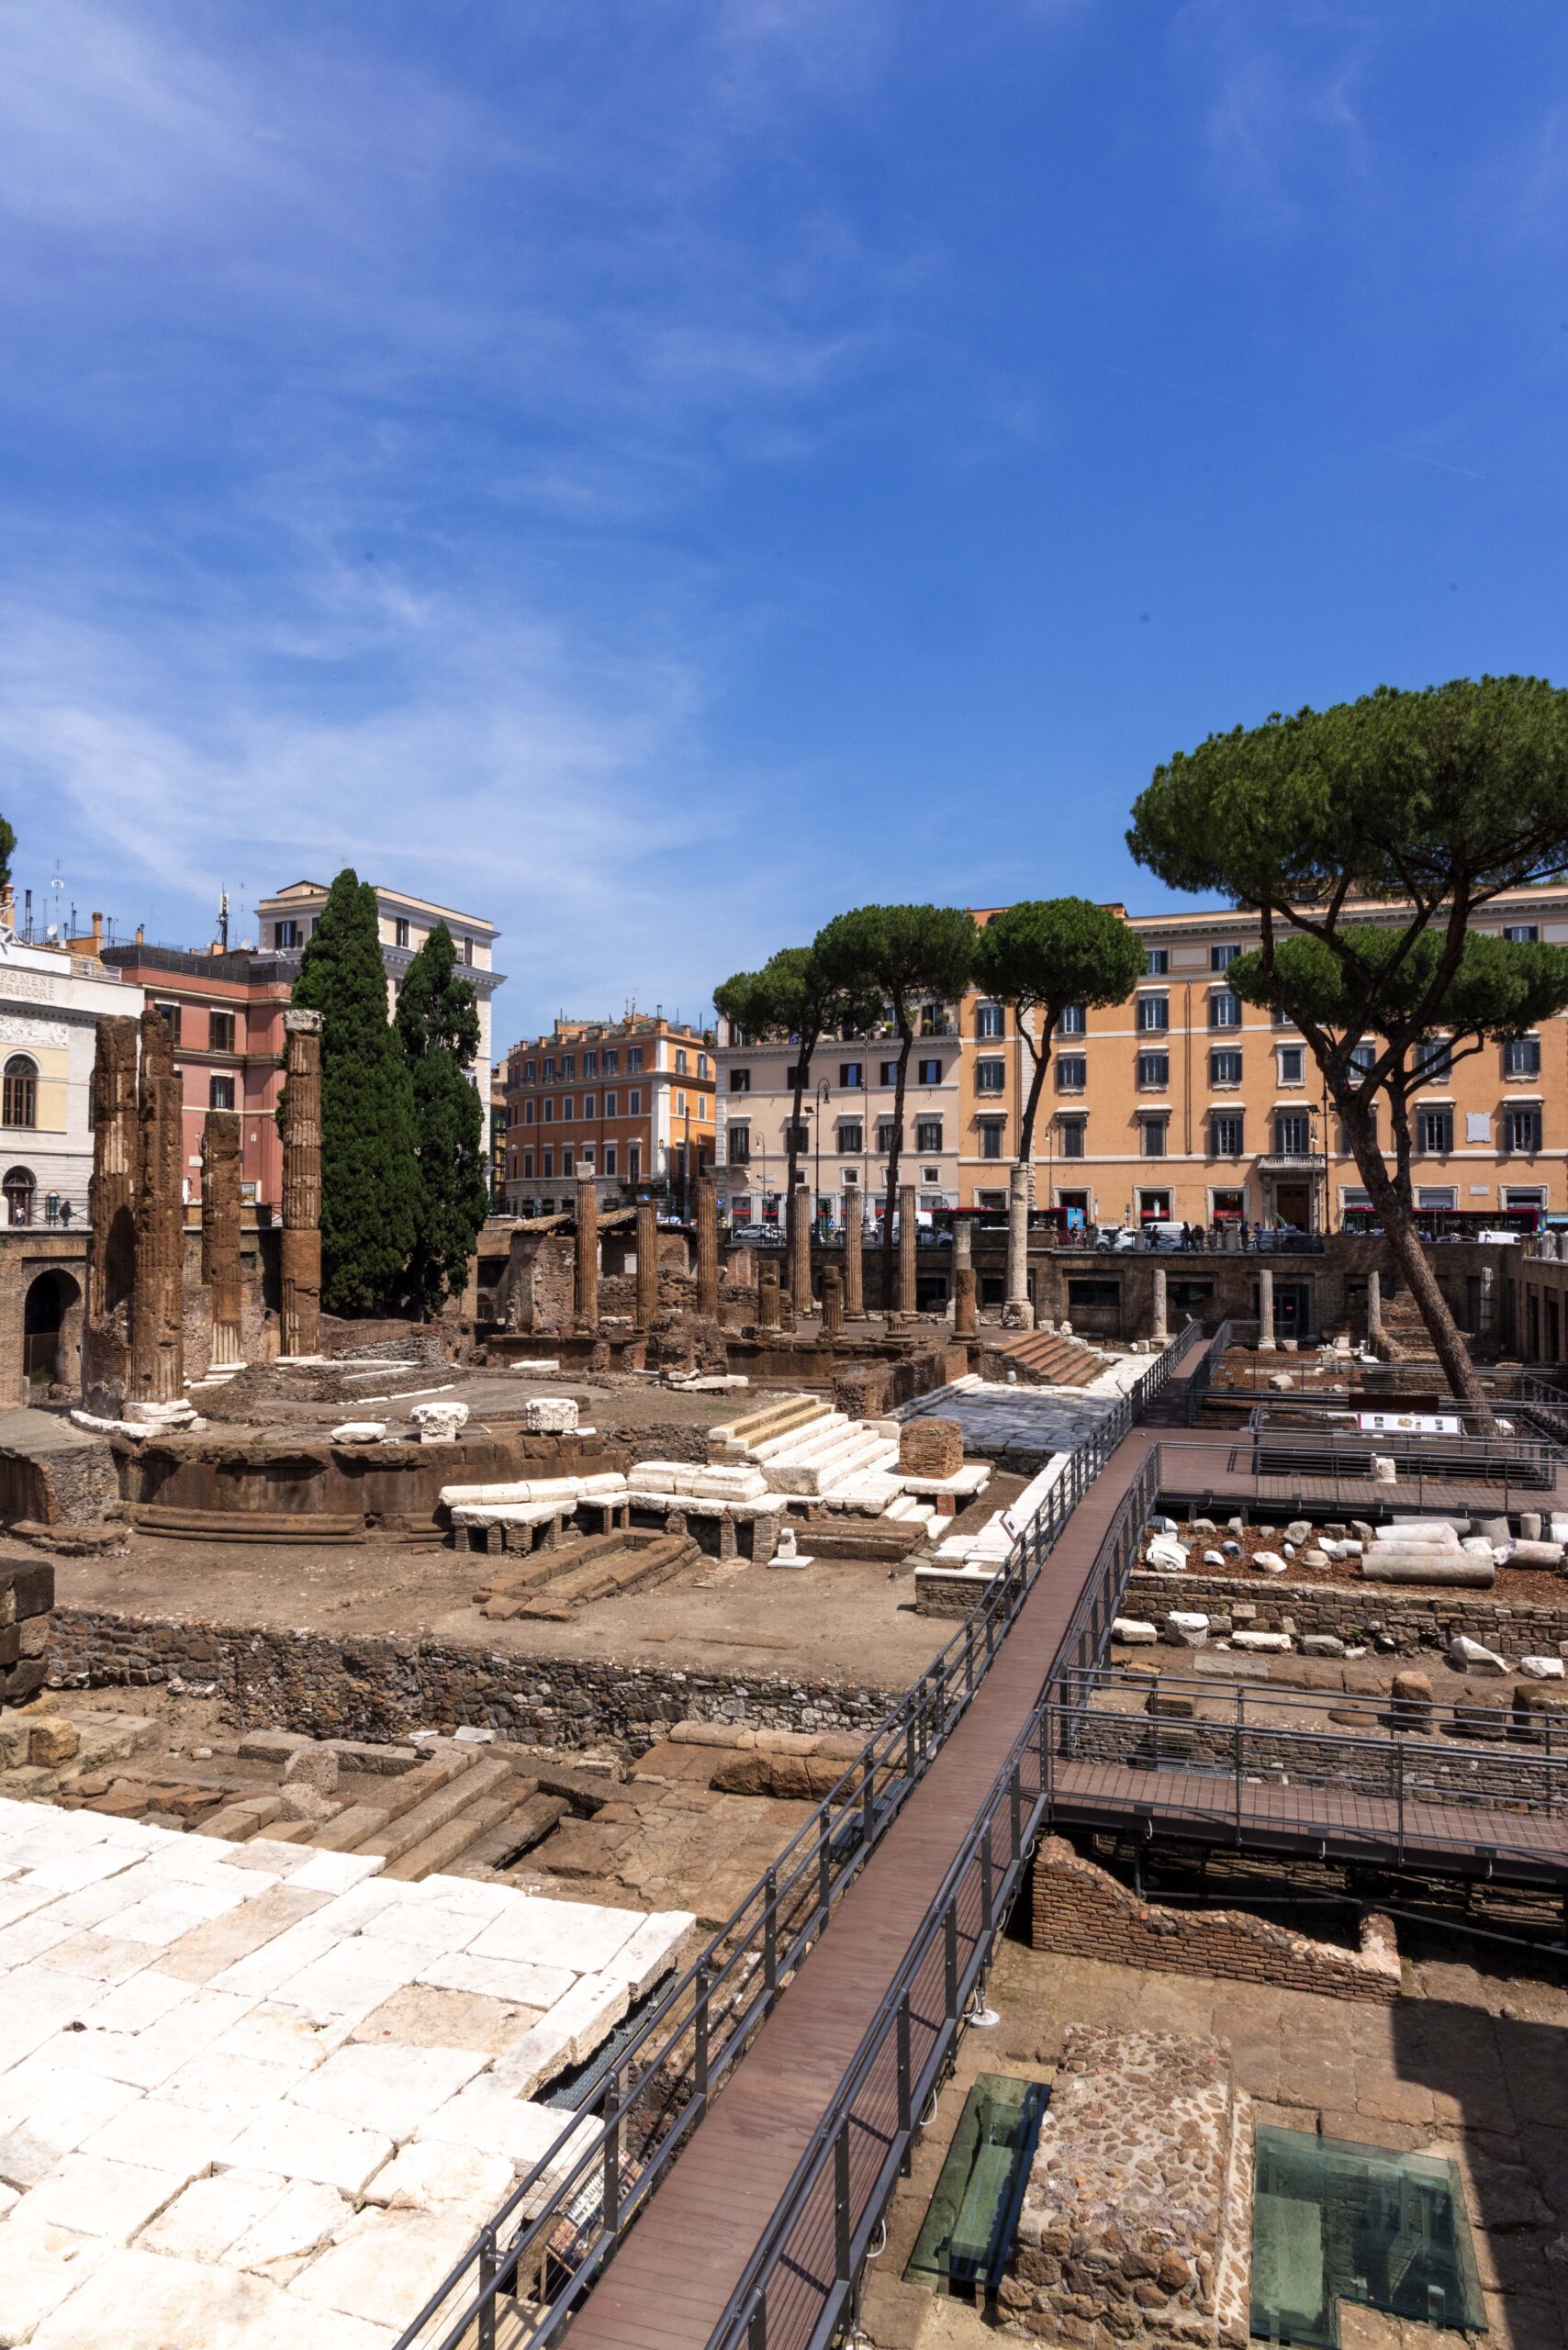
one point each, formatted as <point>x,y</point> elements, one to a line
<point>990,1076</point>
<point>890,1075</point>
<point>1292,1133</point>
<point>586,1158</point>
<point>21,1092</point>
<point>567,1113</point>
<point>1156,961</point>
<point>568,1160</point>
<point>1362,1058</point>
<point>992,1131</point>
<point>1225,1067</point>
<point>1521,1130</point>
<point>170,1014</point>
<point>568,1064</point>
<point>1153,1206</point>
<point>1522,933</point>
<point>587,1105</point>
<point>1434,1061</point>
<point>547,1113</point>
<point>220,1094</point>
<point>400,930</point>
<point>1279,1018</point>
<point>1221,958</point>
<point>701,1064</point>
<point>1072,1072</point>
<point>609,1105</point>
<point>286,934</point>
<point>1153,1013</point>
<point>1154,1133</point>
<point>549,1166</point>
<point>930,1073</point>
<point>610,1157</point>
<point>549,1066</point>
<point>530,1072</point>
<point>590,1064</point>
<point>1521,1056</point>
<point>1225,1134</point>
<point>934,1020</point>
<point>800,1138</point>
<point>1154,1072</point>
<point>635,1162</point>
<point>527,1112</point>
<point>740,1081</point>
<point>1438,1196</point>
<point>1073,1022</point>
<point>1071,1133</point>
<point>887,1129</point>
<point>528,1167</point>
<point>221,1031</point>
<point>681,1060</point>
<point>1225,1008</point>
<point>851,1137</point>
<point>612,1063</point>
<point>928,1137</point>
<point>1293,1064</point>
<point>740,1145</point>
<point>850,1073</point>
<point>21,1191</point>
<point>990,1022</point>
<point>634,1103</point>
<point>468,951</point>
<point>634,1058</point>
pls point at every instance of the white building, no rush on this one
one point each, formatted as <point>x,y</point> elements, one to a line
<point>51,1003</point>
<point>288,918</point>
<point>846,1115</point>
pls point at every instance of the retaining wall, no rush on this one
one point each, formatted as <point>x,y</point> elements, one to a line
<point>1359,1613</point>
<point>380,1689</point>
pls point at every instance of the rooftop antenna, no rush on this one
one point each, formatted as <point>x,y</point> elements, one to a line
<point>223,919</point>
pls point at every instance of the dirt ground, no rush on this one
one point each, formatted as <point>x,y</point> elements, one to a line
<point>838,1619</point>
<point>1470,2063</point>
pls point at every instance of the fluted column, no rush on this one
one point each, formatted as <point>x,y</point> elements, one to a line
<point>907,1243</point>
<point>300,1320</point>
<point>157,1310</point>
<point>585,1257</point>
<point>798,1236</point>
<point>707,1248</point>
<point>647,1264</point>
<point>853,1252</point>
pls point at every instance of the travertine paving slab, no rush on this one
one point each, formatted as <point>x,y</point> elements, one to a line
<point>254,2096</point>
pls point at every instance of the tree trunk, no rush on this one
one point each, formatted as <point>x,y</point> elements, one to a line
<point>906,1043</point>
<point>1017,1284</point>
<point>1412,1262</point>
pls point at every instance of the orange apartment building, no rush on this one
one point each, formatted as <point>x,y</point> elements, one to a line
<point>630,1102</point>
<point>1185,1103</point>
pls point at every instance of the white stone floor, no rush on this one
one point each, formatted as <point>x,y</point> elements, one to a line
<point>252,2095</point>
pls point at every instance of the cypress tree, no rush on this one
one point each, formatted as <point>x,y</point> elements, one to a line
<point>370,1180</point>
<point>438,1027</point>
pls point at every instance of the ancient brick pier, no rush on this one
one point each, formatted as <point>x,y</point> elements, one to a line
<point>301,1318</point>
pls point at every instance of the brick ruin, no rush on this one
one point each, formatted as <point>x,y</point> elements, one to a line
<point>220,1231</point>
<point>111,1249</point>
<point>301,1303</point>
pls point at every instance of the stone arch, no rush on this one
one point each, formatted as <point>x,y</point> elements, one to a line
<point>51,1330</point>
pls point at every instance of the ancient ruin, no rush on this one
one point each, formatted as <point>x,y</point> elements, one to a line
<point>111,1262</point>
<point>157,1312</point>
<point>300,1308</point>
<point>220,1232</point>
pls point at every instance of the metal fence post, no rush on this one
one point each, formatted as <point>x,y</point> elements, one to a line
<point>841,2200</point>
<point>950,1959</point>
<point>486,2294</point>
<point>906,2086</point>
<point>771,1931</point>
<point>757,2327</point>
<point>701,2058</point>
<point>985,1869</point>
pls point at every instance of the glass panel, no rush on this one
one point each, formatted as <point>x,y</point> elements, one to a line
<point>969,2224</point>
<point>1334,2221</point>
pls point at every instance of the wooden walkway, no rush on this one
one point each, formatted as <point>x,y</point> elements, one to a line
<point>1202,1464</point>
<point>668,2286</point>
<point>671,2282</point>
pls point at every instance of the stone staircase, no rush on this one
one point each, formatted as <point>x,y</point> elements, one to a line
<point>1046,1358</point>
<point>807,1451</point>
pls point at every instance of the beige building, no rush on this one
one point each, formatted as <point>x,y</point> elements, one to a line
<point>1185,1103</point>
<point>288,918</point>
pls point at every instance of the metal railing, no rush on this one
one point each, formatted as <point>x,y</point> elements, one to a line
<point>1529,1464</point>
<point>566,2217</point>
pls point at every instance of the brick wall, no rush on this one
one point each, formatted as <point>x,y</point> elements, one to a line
<point>1081,1912</point>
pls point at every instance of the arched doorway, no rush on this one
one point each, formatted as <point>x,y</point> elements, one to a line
<point>20,1188</point>
<point>51,1330</point>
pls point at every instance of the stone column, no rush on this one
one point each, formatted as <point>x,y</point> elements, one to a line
<point>157,1307</point>
<point>111,1243</point>
<point>767,1292</point>
<point>798,1237</point>
<point>908,1231</point>
<point>854,1248</point>
<point>1488,1313</point>
<point>647,1264</point>
<point>220,1232</point>
<point>833,1302</point>
<point>707,1248</point>
<point>300,1331</point>
<point>1265,1309</point>
<point>585,1257</point>
<point>1161,1331</point>
<point>1018,1313</point>
<point>1374,1306</point>
<point>964,1318</point>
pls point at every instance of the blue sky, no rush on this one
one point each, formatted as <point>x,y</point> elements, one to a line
<point>657,472</point>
